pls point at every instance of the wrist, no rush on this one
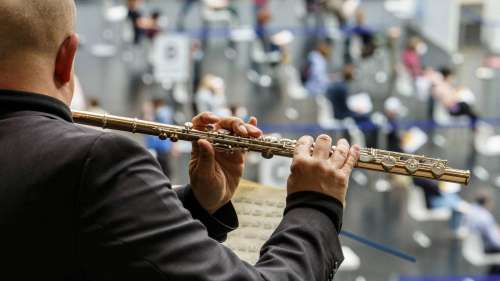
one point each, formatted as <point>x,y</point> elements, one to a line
<point>205,199</point>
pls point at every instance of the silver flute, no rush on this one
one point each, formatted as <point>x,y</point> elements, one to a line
<point>269,146</point>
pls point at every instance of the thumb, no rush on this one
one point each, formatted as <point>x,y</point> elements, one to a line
<point>206,154</point>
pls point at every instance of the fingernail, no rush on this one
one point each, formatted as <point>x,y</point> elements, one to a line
<point>243,129</point>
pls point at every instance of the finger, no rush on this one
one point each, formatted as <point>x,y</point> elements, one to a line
<point>322,147</point>
<point>203,119</point>
<point>233,124</point>
<point>206,154</point>
<point>303,147</point>
<point>340,154</point>
<point>253,131</point>
<point>352,159</point>
<point>253,121</point>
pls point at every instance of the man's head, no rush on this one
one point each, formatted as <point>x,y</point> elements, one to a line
<point>446,72</point>
<point>38,46</point>
<point>483,199</point>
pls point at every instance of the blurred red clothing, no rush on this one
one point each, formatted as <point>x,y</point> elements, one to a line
<point>411,60</point>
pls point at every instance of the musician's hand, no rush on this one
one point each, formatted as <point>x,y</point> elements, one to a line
<point>319,171</point>
<point>215,175</point>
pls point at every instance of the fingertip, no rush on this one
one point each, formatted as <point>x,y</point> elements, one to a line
<point>305,139</point>
<point>204,145</point>
<point>343,141</point>
<point>253,121</point>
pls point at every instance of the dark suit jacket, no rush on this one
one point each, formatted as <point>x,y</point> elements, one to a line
<point>81,204</point>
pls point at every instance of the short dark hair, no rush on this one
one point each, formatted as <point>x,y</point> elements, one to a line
<point>482,198</point>
<point>446,71</point>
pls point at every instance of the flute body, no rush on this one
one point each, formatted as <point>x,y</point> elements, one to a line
<point>370,159</point>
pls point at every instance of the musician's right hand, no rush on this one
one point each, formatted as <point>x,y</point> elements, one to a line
<point>314,169</point>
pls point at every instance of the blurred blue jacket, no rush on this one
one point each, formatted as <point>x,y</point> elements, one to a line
<point>162,115</point>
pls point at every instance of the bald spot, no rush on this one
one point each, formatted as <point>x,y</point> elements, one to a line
<point>34,27</point>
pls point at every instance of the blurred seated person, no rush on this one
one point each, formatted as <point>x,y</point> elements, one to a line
<point>451,97</point>
<point>142,25</point>
<point>211,96</point>
<point>481,219</point>
<point>365,33</point>
<point>338,93</point>
<point>436,197</point>
<point>263,18</point>
<point>161,113</point>
<point>315,74</point>
<point>411,58</point>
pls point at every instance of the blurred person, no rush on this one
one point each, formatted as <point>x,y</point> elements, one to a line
<point>480,218</point>
<point>365,33</point>
<point>446,93</point>
<point>154,29</point>
<point>313,8</point>
<point>183,13</point>
<point>261,30</point>
<point>411,58</point>
<point>435,197</point>
<point>338,93</point>
<point>211,96</point>
<point>83,204</point>
<point>266,48</point>
<point>392,111</point>
<point>144,26</point>
<point>161,113</point>
<point>315,73</point>
<point>136,17</point>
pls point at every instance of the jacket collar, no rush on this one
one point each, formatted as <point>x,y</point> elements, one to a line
<point>13,102</point>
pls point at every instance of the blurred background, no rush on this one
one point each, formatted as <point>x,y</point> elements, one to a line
<point>415,76</point>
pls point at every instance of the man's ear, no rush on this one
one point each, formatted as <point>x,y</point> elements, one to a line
<point>65,60</point>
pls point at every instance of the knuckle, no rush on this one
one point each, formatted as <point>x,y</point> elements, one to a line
<point>341,178</point>
<point>298,165</point>
<point>320,167</point>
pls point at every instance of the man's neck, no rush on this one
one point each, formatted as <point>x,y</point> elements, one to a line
<point>29,80</point>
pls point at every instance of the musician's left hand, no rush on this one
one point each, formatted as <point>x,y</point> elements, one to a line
<point>214,174</point>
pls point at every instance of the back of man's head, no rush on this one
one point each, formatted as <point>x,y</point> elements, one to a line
<point>31,28</point>
<point>483,198</point>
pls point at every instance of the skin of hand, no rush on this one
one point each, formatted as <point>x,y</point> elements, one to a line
<point>315,168</point>
<point>214,174</point>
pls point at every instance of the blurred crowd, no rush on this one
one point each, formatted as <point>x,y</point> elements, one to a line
<point>332,29</point>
